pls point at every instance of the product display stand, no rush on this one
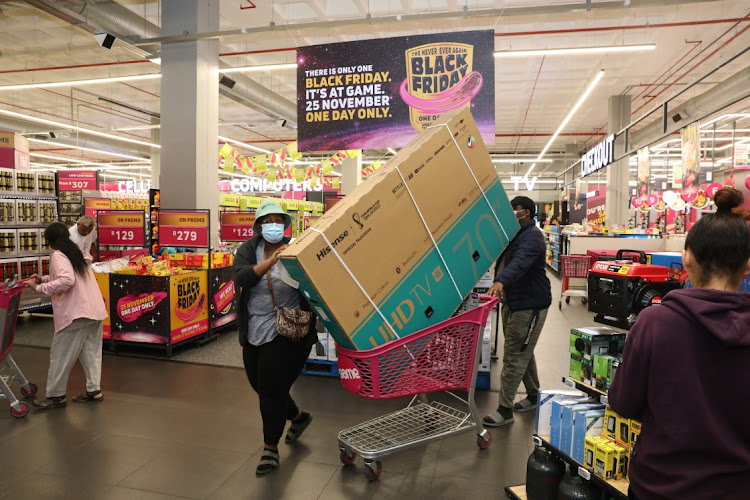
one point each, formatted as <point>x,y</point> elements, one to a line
<point>516,492</point>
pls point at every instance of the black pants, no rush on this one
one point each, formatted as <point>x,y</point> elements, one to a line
<point>271,369</point>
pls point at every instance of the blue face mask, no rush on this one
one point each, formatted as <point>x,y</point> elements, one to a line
<point>272,232</point>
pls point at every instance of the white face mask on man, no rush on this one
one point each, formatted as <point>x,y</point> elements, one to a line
<point>520,214</point>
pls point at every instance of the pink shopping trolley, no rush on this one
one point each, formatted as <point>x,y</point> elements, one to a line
<point>10,296</point>
<point>442,358</point>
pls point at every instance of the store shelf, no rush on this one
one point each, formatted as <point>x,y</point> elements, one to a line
<point>590,390</point>
<point>516,492</point>
<point>617,488</point>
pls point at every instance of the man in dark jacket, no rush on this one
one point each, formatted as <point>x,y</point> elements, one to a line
<point>521,281</point>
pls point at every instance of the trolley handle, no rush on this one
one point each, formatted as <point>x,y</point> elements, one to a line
<point>640,252</point>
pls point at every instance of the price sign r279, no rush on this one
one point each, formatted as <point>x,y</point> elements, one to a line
<point>183,229</point>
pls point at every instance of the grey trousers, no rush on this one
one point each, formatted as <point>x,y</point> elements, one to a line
<point>82,340</point>
<point>521,330</point>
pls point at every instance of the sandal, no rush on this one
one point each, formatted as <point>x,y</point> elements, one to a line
<point>50,402</point>
<point>497,419</point>
<point>269,462</point>
<point>525,405</point>
<point>297,428</point>
<point>89,397</point>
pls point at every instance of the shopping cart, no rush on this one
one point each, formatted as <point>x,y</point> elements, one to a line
<point>443,357</point>
<point>574,266</point>
<point>10,294</point>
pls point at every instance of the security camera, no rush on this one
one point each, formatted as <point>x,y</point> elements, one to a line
<point>52,135</point>
<point>226,81</point>
<point>282,123</point>
<point>105,40</point>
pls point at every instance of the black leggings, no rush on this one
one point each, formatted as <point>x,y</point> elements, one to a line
<point>271,369</point>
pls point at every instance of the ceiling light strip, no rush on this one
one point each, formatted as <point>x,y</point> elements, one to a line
<point>572,112</point>
<point>119,155</point>
<point>266,67</point>
<point>91,81</point>
<point>245,145</point>
<point>575,50</point>
<point>73,127</point>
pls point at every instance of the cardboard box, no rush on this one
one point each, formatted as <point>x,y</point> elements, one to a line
<point>610,423</point>
<point>604,368</point>
<point>7,181</point>
<point>586,342</point>
<point>544,406</point>
<point>621,460</point>
<point>568,419</point>
<point>555,435</point>
<point>14,151</point>
<point>377,237</point>
<point>590,451</point>
<point>332,354</point>
<point>622,436</point>
<point>581,369</point>
<point>635,432</point>
<point>586,424</point>
<point>605,460</point>
<point>320,349</point>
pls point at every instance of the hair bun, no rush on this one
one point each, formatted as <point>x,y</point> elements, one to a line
<point>728,198</point>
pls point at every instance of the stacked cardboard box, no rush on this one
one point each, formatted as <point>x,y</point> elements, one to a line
<point>14,151</point>
<point>585,343</point>
<point>412,241</point>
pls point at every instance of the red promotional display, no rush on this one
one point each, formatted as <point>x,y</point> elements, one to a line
<point>122,228</point>
<point>76,180</point>
<point>236,226</point>
<point>182,228</point>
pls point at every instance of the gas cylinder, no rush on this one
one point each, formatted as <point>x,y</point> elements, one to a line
<point>543,474</point>
<point>573,487</point>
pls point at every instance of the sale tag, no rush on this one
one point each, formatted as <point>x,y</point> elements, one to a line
<point>327,167</point>
<point>76,180</point>
<point>229,200</point>
<point>183,229</point>
<point>122,228</point>
<point>236,226</point>
<point>293,151</point>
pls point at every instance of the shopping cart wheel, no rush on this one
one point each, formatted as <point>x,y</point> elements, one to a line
<point>559,305</point>
<point>484,442</point>
<point>22,410</point>
<point>373,469</point>
<point>567,300</point>
<point>584,300</point>
<point>346,457</point>
<point>32,390</point>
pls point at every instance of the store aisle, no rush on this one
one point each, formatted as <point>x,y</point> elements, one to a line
<point>171,430</point>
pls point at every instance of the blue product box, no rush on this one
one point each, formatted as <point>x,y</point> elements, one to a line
<point>666,258</point>
<point>557,416</point>
<point>585,424</point>
<point>566,428</point>
<point>544,406</point>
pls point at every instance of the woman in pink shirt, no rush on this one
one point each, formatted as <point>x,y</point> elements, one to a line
<point>78,313</point>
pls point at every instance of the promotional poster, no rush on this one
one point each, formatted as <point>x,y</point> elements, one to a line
<point>140,308</point>
<point>223,305</point>
<point>691,162</point>
<point>596,210</point>
<point>103,281</point>
<point>188,299</point>
<point>376,94</point>
<point>644,171</point>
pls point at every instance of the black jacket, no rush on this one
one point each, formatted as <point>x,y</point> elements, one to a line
<point>524,277</point>
<point>245,279</point>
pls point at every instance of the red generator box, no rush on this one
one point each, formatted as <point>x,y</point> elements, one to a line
<point>14,151</point>
<point>8,269</point>
<point>28,267</point>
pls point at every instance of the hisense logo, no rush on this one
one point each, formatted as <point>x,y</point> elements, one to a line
<point>325,251</point>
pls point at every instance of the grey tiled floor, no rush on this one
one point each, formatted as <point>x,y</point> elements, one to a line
<point>185,430</point>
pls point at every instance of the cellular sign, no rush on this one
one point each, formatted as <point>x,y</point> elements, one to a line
<point>76,180</point>
<point>122,228</point>
<point>183,229</point>
<point>236,226</point>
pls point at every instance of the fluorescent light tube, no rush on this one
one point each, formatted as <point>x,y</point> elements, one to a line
<point>575,50</point>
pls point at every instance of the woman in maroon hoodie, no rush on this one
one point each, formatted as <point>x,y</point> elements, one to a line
<point>686,371</point>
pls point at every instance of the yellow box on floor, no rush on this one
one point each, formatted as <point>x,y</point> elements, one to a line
<point>401,251</point>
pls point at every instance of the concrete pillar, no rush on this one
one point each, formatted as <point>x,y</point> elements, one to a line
<point>155,155</point>
<point>618,174</point>
<point>190,107</point>
<point>351,171</point>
